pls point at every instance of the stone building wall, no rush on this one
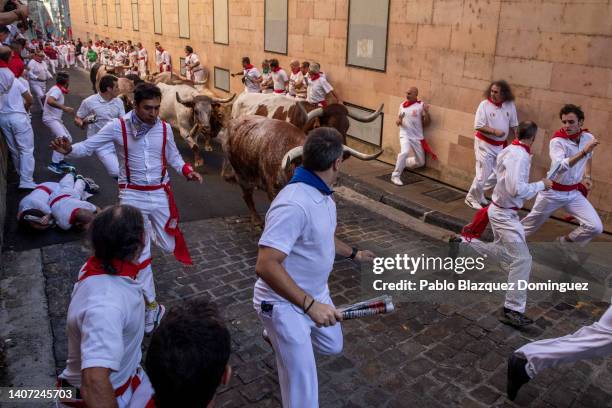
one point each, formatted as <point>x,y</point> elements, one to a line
<point>552,52</point>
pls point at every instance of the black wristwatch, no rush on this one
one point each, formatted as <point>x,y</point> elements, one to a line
<point>353,254</point>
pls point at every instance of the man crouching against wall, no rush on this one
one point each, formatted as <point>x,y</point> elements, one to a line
<point>296,255</point>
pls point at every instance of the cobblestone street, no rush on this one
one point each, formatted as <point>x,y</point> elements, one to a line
<point>424,354</point>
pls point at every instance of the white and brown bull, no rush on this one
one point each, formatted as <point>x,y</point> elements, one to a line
<point>194,113</point>
<point>262,153</point>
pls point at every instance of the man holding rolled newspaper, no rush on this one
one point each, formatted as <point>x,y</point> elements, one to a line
<point>296,255</point>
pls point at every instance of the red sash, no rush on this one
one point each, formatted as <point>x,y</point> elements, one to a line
<point>181,252</point>
<point>479,222</point>
<point>44,188</point>
<point>490,141</point>
<point>56,199</point>
<point>570,187</point>
<point>427,149</point>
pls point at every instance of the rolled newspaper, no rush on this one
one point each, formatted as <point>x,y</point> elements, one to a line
<point>371,307</point>
<point>90,118</point>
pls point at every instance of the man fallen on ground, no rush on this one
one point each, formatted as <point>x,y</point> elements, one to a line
<point>68,203</point>
<point>34,210</point>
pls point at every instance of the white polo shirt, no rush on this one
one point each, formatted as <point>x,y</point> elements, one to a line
<point>12,102</point>
<point>503,118</point>
<point>105,328</point>
<point>49,112</point>
<point>561,150</point>
<point>250,77</point>
<point>105,111</point>
<point>279,78</point>
<point>38,199</point>
<point>318,90</point>
<point>301,223</point>
<point>412,123</point>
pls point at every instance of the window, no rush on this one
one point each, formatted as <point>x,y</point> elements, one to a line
<point>93,11</point>
<point>368,29</point>
<point>118,13</point>
<point>275,26</point>
<point>222,79</point>
<point>104,13</point>
<point>157,17</point>
<point>220,22</point>
<point>85,14</point>
<point>183,16</point>
<point>135,25</point>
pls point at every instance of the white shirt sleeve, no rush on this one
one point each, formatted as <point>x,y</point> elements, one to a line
<point>285,223</point>
<point>83,109</point>
<point>513,117</point>
<point>557,154</point>
<point>120,106</point>
<point>102,337</point>
<point>173,157</point>
<point>517,184</point>
<point>481,117</point>
<point>90,145</point>
<point>327,88</point>
<point>55,93</point>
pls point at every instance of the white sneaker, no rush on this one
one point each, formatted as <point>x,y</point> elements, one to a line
<point>153,316</point>
<point>397,181</point>
<point>472,204</point>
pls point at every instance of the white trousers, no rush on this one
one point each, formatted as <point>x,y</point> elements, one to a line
<point>38,89</point>
<point>53,65</point>
<point>76,188</point>
<point>295,337</point>
<point>510,248</point>
<point>17,130</point>
<point>592,341</point>
<point>575,204</point>
<point>142,68</point>
<point>485,178</point>
<point>197,76</point>
<point>155,210</point>
<point>63,62</point>
<point>108,156</point>
<point>58,130</point>
<point>81,58</point>
<point>406,146</point>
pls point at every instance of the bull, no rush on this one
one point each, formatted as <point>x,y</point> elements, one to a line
<point>262,153</point>
<point>169,79</point>
<point>194,114</point>
<point>126,84</point>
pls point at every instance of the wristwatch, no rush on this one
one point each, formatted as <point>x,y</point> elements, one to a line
<point>353,254</point>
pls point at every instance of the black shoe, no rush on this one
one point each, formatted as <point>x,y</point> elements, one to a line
<point>453,246</point>
<point>515,319</point>
<point>517,375</point>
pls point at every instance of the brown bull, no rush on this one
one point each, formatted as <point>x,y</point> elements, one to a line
<point>262,153</point>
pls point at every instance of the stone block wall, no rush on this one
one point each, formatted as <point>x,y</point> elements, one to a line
<point>552,52</point>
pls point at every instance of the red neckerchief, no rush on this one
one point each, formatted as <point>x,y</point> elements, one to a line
<point>314,77</point>
<point>295,70</point>
<point>61,88</point>
<point>563,134</point>
<point>276,69</point>
<point>407,104</point>
<point>248,67</point>
<point>124,268</point>
<point>16,65</point>
<point>3,64</point>
<point>516,142</point>
<point>498,104</point>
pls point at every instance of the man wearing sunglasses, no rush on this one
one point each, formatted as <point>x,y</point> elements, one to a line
<point>571,150</point>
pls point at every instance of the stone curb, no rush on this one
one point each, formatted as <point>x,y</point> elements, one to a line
<point>411,208</point>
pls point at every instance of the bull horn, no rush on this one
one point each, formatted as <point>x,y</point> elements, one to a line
<point>359,155</point>
<point>226,100</point>
<point>314,114</point>
<point>179,100</point>
<point>291,155</point>
<point>368,118</point>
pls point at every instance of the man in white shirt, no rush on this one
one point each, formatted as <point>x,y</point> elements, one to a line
<point>251,78</point>
<point>571,149</point>
<point>143,60</point>
<point>145,146</point>
<point>318,87</point>
<point>38,74</point>
<point>105,106</point>
<point>105,320</point>
<point>17,129</point>
<point>296,256</point>
<point>495,119</point>
<point>594,341</point>
<point>52,117</point>
<point>165,63</point>
<point>510,244</point>
<point>280,80</point>
<point>62,51</point>
<point>68,203</point>
<point>6,75</point>
<point>297,84</point>
<point>413,116</point>
<point>34,211</point>
<point>195,71</point>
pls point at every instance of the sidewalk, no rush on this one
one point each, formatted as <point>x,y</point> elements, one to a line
<point>433,202</point>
